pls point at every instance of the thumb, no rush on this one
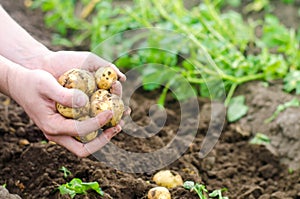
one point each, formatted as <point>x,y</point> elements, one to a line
<point>65,96</point>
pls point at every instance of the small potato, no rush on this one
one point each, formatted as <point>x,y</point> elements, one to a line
<point>79,79</point>
<point>102,101</point>
<point>73,113</point>
<point>88,137</point>
<point>105,77</point>
<point>167,178</point>
<point>99,94</point>
<point>159,193</point>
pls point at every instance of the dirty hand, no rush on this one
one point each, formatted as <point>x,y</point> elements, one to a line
<point>38,90</point>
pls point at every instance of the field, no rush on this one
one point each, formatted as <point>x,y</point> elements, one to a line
<point>30,166</point>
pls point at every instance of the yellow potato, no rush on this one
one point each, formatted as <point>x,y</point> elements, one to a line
<point>159,193</point>
<point>88,137</point>
<point>73,113</point>
<point>79,79</point>
<point>102,101</point>
<point>105,76</point>
<point>167,178</point>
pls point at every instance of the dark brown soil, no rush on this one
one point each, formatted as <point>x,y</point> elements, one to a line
<point>247,171</point>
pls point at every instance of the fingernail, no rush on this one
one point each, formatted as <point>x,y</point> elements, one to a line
<point>80,100</point>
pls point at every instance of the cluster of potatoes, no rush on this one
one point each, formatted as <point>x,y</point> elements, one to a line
<point>165,180</point>
<point>97,87</point>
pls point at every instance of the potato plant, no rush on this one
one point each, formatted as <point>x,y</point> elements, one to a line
<point>97,87</point>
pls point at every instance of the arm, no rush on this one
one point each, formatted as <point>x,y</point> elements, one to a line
<point>37,91</point>
<point>28,72</point>
<point>20,47</point>
<point>17,45</point>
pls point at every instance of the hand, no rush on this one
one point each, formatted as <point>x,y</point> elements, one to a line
<point>37,91</point>
<point>59,62</point>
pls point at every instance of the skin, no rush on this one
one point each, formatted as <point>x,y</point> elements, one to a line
<point>28,74</point>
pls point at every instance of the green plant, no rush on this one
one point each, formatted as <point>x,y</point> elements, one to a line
<point>202,191</point>
<point>76,186</point>
<point>4,185</point>
<point>237,108</point>
<point>280,108</point>
<point>213,52</point>
<point>198,188</point>
<point>66,171</point>
<point>260,139</point>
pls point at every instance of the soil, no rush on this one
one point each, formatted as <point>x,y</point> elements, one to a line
<point>29,166</point>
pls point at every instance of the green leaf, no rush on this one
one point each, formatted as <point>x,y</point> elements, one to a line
<point>236,108</point>
<point>292,81</point>
<point>66,171</point>
<point>188,185</point>
<point>293,103</point>
<point>76,186</point>
<point>260,139</point>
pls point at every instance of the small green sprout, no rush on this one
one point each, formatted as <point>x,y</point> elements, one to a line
<point>260,139</point>
<point>4,185</point>
<point>198,188</point>
<point>293,103</point>
<point>202,191</point>
<point>66,171</point>
<point>218,193</point>
<point>76,186</point>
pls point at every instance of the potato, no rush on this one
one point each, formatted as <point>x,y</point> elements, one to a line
<point>79,79</point>
<point>159,193</point>
<point>102,101</point>
<point>105,77</point>
<point>88,137</point>
<point>99,100</point>
<point>73,113</point>
<point>167,178</point>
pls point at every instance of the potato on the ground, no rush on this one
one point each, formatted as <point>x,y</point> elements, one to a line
<point>159,193</point>
<point>105,102</point>
<point>105,77</point>
<point>167,178</point>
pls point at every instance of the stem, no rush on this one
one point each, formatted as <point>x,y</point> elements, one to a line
<point>230,94</point>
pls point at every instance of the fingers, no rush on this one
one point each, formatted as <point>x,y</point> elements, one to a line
<point>67,97</point>
<point>85,149</point>
<point>116,88</point>
<point>73,127</point>
<point>93,62</point>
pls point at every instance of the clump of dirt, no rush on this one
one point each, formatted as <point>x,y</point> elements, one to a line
<point>283,130</point>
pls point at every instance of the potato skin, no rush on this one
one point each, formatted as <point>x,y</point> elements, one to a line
<point>88,137</point>
<point>167,178</point>
<point>105,77</point>
<point>102,101</point>
<point>73,113</point>
<point>99,99</point>
<point>159,193</point>
<point>79,79</point>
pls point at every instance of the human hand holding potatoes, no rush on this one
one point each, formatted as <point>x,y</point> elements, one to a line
<point>97,87</point>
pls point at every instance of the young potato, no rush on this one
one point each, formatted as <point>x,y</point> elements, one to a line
<point>105,77</point>
<point>73,113</point>
<point>88,137</point>
<point>159,193</point>
<point>167,178</point>
<point>101,101</point>
<point>79,79</point>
